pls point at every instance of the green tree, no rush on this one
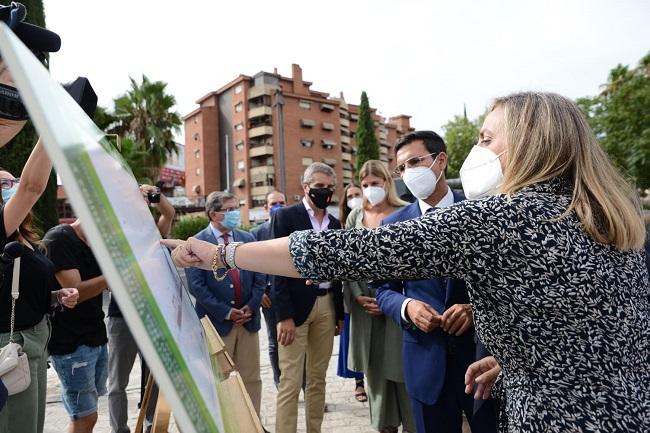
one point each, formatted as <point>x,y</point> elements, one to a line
<point>15,153</point>
<point>620,117</point>
<point>461,134</point>
<point>367,147</point>
<point>144,115</point>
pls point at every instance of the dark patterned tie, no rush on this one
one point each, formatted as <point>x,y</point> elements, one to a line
<point>234,277</point>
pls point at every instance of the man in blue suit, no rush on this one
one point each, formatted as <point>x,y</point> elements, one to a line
<point>233,303</point>
<point>436,314</point>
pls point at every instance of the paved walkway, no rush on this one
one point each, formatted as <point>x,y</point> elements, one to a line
<point>345,414</point>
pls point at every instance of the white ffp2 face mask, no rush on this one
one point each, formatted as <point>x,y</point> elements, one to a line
<point>374,194</point>
<point>481,173</point>
<point>355,202</point>
<point>421,181</point>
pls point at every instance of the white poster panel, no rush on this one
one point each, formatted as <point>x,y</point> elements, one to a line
<point>125,241</point>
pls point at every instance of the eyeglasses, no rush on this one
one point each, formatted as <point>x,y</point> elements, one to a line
<point>229,209</point>
<point>416,161</point>
<point>8,183</point>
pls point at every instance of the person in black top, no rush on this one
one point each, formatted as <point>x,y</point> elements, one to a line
<point>78,348</point>
<point>25,411</point>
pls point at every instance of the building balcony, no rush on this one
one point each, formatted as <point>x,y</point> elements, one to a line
<point>328,108</point>
<point>383,135</point>
<point>347,174</point>
<point>384,143</point>
<point>345,123</point>
<point>260,131</point>
<point>307,123</point>
<point>262,190</point>
<point>346,156</point>
<point>345,139</point>
<point>327,126</point>
<point>257,91</point>
<point>259,112</point>
<point>260,151</point>
<point>383,150</point>
<point>330,161</point>
<point>383,158</point>
<point>262,170</point>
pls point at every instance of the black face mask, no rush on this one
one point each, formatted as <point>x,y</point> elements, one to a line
<point>321,197</point>
<point>11,107</point>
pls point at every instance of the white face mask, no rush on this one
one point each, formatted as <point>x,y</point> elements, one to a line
<point>374,194</point>
<point>421,181</point>
<point>481,173</point>
<point>355,202</point>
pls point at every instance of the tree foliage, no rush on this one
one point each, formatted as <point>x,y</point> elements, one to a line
<point>620,117</point>
<point>15,153</point>
<point>367,146</point>
<point>461,134</point>
<point>145,123</point>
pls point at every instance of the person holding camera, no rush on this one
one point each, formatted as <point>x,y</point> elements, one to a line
<point>38,289</point>
<point>122,348</point>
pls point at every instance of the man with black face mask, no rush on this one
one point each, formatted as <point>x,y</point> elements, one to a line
<point>308,317</point>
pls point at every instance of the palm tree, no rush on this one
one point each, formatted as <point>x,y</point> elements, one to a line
<point>143,114</point>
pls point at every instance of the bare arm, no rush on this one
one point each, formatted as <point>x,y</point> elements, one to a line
<point>33,181</point>
<point>166,219</point>
<point>88,289</point>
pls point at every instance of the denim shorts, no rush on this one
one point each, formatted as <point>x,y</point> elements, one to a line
<point>83,375</point>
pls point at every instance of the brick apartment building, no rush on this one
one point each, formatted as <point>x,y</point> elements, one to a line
<point>257,134</point>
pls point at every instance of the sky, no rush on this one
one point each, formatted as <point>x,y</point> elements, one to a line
<point>427,59</point>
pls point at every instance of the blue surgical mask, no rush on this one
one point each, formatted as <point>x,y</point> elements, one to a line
<point>274,209</point>
<point>7,193</point>
<point>231,219</point>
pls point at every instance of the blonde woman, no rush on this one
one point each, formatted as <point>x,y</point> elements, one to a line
<point>550,248</point>
<point>376,342</point>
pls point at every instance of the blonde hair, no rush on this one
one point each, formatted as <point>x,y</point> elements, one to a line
<point>377,168</point>
<point>546,136</point>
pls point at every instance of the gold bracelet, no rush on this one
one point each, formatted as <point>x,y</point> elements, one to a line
<point>215,265</point>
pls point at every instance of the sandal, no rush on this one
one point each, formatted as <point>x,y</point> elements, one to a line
<point>360,396</point>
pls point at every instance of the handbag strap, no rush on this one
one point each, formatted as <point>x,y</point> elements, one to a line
<point>14,295</point>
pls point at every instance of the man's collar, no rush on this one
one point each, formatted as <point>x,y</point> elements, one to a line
<point>447,200</point>
<point>310,211</point>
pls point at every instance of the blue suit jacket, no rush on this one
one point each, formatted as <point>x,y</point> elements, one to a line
<point>425,354</point>
<point>216,298</point>
<point>262,233</point>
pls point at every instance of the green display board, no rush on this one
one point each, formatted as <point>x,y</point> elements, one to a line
<point>124,238</point>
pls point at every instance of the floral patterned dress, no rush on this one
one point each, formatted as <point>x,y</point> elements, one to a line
<point>567,318</point>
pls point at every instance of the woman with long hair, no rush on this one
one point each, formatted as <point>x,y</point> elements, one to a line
<point>375,341</point>
<point>350,199</point>
<point>38,290</point>
<point>550,245</point>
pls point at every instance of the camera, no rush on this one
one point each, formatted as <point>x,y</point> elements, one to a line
<point>153,196</point>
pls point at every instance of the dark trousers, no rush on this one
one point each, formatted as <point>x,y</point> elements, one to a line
<point>272,333</point>
<point>446,415</point>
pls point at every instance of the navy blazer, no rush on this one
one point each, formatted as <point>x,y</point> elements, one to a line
<point>425,354</point>
<point>216,298</point>
<point>291,297</point>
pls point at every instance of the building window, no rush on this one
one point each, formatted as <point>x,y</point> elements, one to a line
<point>239,145</point>
<point>305,105</point>
<point>307,123</point>
<point>238,89</point>
<point>307,161</point>
<point>196,136</point>
<point>197,172</point>
<point>239,126</point>
<point>197,154</point>
<point>241,166</point>
<point>239,107</point>
<point>306,142</point>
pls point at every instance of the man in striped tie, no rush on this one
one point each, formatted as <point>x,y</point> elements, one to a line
<point>232,304</point>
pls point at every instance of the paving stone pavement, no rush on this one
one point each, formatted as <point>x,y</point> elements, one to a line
<point>345,414</point>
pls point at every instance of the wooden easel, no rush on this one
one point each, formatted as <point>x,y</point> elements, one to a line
<point>241,416</point>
